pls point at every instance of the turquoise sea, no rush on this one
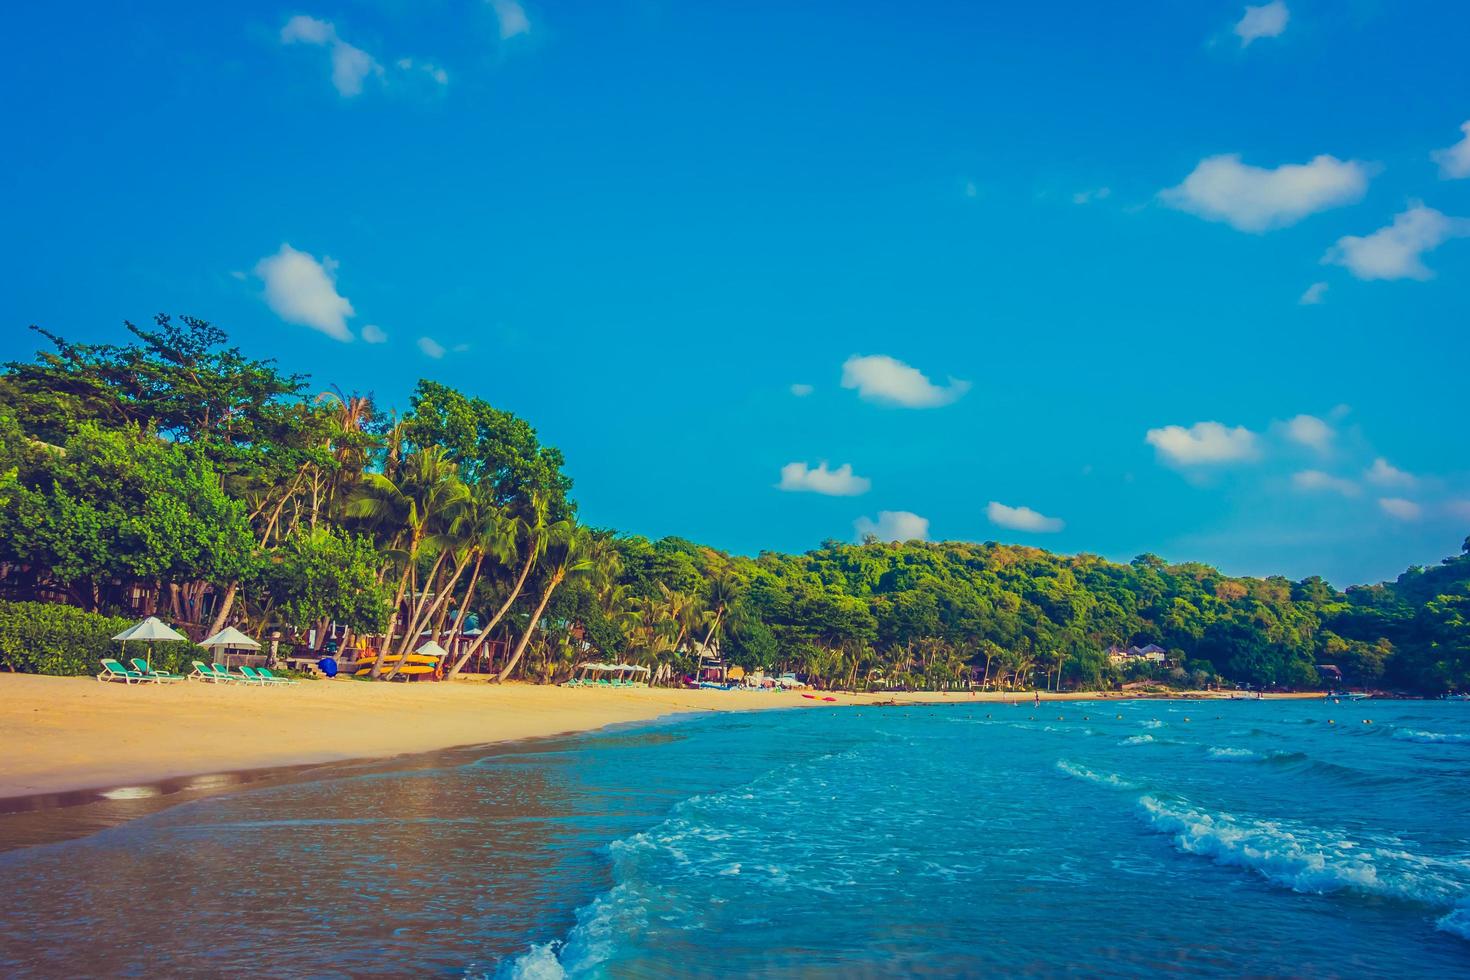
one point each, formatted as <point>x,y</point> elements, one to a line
<point>1103,839</point>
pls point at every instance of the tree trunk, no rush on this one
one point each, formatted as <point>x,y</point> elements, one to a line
<point>397,602</point>
<point>515,657</point>
<point>417,627</point>
<point>499,615</point>
<point>416,617</point>
<point>464,609</point>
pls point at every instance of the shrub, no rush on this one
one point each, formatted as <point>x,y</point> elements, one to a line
<point>49,638</point>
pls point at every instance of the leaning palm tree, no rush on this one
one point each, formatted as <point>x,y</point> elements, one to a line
<point>424,498</point>
<point>566,556</point>
<point>722,593</point>
<point>528,535</point>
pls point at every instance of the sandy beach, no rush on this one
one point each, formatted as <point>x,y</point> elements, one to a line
<point>66,733</point>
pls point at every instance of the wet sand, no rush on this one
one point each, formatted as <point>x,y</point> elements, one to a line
<point>81,755</point>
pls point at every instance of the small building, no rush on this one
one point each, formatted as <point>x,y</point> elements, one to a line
<point>1152,653</point>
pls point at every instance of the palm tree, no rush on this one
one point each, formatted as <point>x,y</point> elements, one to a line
<point>423,497</point>
<point>566,556</point>
<point>721,595</point>
<point>529,535</point>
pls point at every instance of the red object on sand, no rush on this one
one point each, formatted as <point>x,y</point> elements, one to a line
<point>829,699</point>
<point>812,696</point>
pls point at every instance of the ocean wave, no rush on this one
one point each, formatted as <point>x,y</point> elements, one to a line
<point>1217,752</point>
<point>1153,723</point>
<point>1091,776</point>
<point>1430,738</point>
<point>540,962</point>
<point>1309,859</point>
<point>1137,740</point>
<point>1457,922</point>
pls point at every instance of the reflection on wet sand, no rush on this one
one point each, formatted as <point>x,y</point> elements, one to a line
<point>355,870</point>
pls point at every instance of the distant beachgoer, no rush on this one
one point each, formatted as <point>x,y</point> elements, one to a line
<point>1038,698</point>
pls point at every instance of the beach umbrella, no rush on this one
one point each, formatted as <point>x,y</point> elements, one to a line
<point>229,637</point>
<point>150,630</point>
<point>432,649</point>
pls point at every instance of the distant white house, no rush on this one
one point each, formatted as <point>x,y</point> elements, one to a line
<point>1153,653</point>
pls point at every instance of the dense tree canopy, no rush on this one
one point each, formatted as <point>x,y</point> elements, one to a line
<point>176,474</point>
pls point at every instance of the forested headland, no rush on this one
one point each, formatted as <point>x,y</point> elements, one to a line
<point>172,473</point>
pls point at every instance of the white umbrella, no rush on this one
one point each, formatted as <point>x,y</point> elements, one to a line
<point>230,637</point>
<point>227,639</point>
<point>432,649</point>
<point>149,630</point>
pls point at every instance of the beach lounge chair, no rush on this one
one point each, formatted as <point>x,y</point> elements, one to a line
<point>221,671</point>
<point>141,666</point>
<point>205,672</point>
<point>253,675</point>
<point>266,673</point>
<point>114,671</point>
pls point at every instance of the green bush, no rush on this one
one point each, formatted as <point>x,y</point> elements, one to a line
<point>49,638</point>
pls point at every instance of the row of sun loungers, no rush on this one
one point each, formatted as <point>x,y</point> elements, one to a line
<point>141,673</point>
<point>577,682</point>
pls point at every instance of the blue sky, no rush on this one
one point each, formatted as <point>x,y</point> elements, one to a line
<point>1116,278</point>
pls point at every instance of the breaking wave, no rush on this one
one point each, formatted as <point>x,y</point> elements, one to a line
<point>1430,738</point>
<point>1217,752</point>
<point>1092,776</point>
<point>1309,859</point>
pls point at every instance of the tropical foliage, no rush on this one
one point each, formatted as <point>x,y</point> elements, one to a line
<point>174,474</point>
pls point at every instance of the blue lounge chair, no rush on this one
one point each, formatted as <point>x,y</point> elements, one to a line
<point>141,666</point>
<point>255,677</point>
<point>205,672</point>
<point>221,671</point>
<point>114,671</point>
<point>266,673</point>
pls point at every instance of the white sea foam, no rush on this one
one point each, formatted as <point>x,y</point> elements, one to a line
<point>1217,752</point>
<point>1413,735</point>
<point>1153,723</point>
<point>1137,740</point>
<point>1456,923</point>
<point>537,963</point>
<point>1310,859</point>
<point>1092,776</point>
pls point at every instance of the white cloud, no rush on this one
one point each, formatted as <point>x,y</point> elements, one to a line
<point>1401,509</point>
<point>373,334</point>
<point>512,18</point>
<point>1315,480</point>
<point>1222,188</point>
<point>431,347</point>
<point>302,29</point>
<point>1087,197</point>
<point>1454,161</point>
<point>1267,20</point>
<point>801,391</point>
<point>439,75</point>
<point>1310,431</point>
<point>1385,474</point>
<point>1022,519</point>
<point>1396,252</point>
<point>299,289</point>
<point>893,525</point>
<point>1203,443</point>
<point>841,482</point>
<point>350,65</point>
<point>1314,295</point>
<point>879,378</point>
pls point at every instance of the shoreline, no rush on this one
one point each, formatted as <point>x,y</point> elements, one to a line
<point>83,756</point>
